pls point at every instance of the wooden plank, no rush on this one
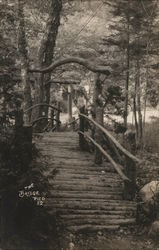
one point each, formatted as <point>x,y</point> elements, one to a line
<point>85,196</point>
<point>93,228</point>
<point>123,221</point>
<point>109,211</point>
<point>102,203</point>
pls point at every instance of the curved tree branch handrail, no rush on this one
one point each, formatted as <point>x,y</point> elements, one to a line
<point>116,166</point>
<point>45,118</point>
<point>42,104</point>
<point>72,122</point>
<point>117,144</point>
<point>81,61</point>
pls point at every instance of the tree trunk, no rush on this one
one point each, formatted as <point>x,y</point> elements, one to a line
<point>23,56</point>
<point>45,57</point>
<point>140,129</point>
<point>58,116</point>
<point>97,93</point>
<point>82,142</point>
<point>99,135</point>
<point>70,104</point>
<point>127,73</point>
<point>145,99</point>
<point>135,116</point>
<point>98,111</point>
<point>147,77</point>
<point>38,98</point>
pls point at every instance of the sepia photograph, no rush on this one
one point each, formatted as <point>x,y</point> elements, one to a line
<point>79,124</point>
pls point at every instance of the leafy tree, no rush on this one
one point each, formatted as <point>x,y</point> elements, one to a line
<point>122,10</point>
<point>45,55</point>
<point>23,58</point>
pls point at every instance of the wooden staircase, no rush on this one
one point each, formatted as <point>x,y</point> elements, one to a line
<point>86,196</point>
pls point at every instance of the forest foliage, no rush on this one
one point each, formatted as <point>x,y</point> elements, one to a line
<point>99,36</point>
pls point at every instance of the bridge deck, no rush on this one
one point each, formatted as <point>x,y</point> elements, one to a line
<point>85,195</point>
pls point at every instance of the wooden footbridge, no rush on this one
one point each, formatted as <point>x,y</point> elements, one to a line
<point>94,186</point>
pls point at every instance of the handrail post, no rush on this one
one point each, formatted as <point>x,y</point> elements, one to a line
<point>98,135</point>
<point>58,117</point>
<point>81,128</point>
<point>130,167</point>
<point>73,123</point>
<point>52,118</point>
<point>130,172</point>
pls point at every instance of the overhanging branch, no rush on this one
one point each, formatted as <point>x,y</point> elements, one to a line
<point>89,65</point>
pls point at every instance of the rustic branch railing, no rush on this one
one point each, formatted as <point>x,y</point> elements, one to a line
<point>42,104</point>
<point>117,144</point>
<point>116,166</point>
<point>127,172</point>
<point>45,118</point>
<point>57,119</point>
<point>72,124</point>
<point>81,61</point>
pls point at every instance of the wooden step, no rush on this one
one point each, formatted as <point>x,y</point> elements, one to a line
<point>86,188</point>
<point>94,204</point>
<point>93,228</point>
<point>69,161</point>
<point>82,196</point>
<point>88,183</point>
<point>114,205</point>
<point>76,194</point>
<point>63,170</point>
<point>89,168</point>
<point>68,175</point>
<point>109,211</point>
<point>102,181</point>
<point>93,217</point>
<point>99,183</point>
<point>97,221</point>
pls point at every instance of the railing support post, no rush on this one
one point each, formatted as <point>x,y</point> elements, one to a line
<point>58,117</point>
<point>98,135</point>
<point>81,128</point>
<point>73,123</point>
<point>70,103</point>
<point>52,118</point>
<point>130,172</point>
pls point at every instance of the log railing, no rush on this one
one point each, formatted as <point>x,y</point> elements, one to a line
<point>41,104</point>
<point>121,159</point>
<point>73,124</point>
<point>55,116</point>
<point>48,126</point>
